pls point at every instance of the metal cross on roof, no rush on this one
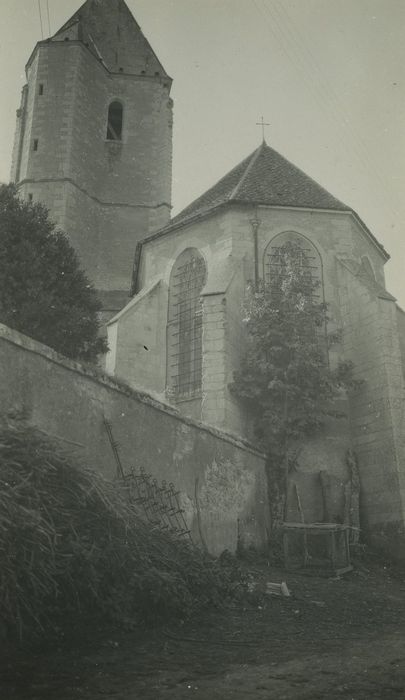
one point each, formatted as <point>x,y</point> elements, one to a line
<point>262,123</point>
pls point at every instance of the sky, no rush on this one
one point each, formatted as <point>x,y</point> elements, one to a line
<point>327,75</point>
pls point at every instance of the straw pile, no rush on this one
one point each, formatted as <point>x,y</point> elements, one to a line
<point>71,544</point>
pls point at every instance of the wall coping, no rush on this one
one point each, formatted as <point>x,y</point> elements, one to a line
<point>9,335</point>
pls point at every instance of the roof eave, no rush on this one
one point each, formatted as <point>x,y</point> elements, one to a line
<point>159,234</point>
<point>375,240</point>
<point>212,210</point>
<point>33,52</point>
<point>79,42</point>
<point>185,222</point>
<point>223,205</point>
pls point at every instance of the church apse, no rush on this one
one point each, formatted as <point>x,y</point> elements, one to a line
<point>347,262</point>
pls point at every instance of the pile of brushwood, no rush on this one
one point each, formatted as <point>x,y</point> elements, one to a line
<point>72,545</point>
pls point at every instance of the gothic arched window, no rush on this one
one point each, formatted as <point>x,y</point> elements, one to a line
<point>306,258</point>
<point>290,260</point>
<point>114,122</point>
<point>184,330</point>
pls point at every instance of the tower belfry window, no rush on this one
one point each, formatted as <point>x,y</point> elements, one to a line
<point>114,124</point>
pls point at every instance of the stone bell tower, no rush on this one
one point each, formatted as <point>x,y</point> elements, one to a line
<point>94,140</point>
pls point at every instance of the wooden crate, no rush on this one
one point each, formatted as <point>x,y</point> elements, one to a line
<point>320,547</point>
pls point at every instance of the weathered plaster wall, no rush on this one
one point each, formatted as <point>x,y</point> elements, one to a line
<point>137,338</point>
<point>226,238</point>
<point>214,360</point>
<point>236,418</point>
<point>371,338</point>
<point>229,231</point>
<point>321,480</point>
<point>211,237</point>
<point>222,474</point>
<point>226,241</point>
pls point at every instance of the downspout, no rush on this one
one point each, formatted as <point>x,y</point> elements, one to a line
<point>255,223</point>
<point>135,271</point>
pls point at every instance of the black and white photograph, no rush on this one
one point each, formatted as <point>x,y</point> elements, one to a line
<point>202,350</point>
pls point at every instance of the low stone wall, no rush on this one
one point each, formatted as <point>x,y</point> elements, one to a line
<point>221,479</point>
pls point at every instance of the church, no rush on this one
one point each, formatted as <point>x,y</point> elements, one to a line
<point>94,144</point>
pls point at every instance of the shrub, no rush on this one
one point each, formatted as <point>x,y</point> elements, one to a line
<point>44,293</point>
<point>71,543</point>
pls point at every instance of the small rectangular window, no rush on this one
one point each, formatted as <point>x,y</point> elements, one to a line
<point>30,197</point>
<point>41,88</point>
<point>35,146</point>
<point>114,123</point>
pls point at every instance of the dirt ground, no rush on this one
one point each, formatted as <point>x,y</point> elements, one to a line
<point>333,638</point>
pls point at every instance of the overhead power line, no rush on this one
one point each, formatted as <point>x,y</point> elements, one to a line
<point>303,62</point>
<point>49,20</point>
<point>327,90</point>
<point>40,18</point>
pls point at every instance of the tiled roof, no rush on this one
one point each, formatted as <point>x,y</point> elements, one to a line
<point>265,177</point>
<point>111,33</point>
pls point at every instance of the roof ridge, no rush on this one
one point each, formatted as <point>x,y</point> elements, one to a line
<point>249,167</point>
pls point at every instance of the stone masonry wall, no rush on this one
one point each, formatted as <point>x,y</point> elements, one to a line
<point>371,340</point>
<point>221,480</point>
<point>236,418</point>
<point>214,360</point>
<point>140,357</point>
<point>401,331</point>
<point>105,195</point>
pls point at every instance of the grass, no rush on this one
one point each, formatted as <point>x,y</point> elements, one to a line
<point>72,545</point>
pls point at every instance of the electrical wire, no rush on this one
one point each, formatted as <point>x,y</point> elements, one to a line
<point>40,18</point>
<point>331,95</point>
<point>290,45</point>
<point>49,20</point>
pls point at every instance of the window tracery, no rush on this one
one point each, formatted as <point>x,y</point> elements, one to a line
<point>184,337</point>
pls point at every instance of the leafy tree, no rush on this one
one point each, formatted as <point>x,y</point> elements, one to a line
<point>43,291</point>
<point>285,379</point>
